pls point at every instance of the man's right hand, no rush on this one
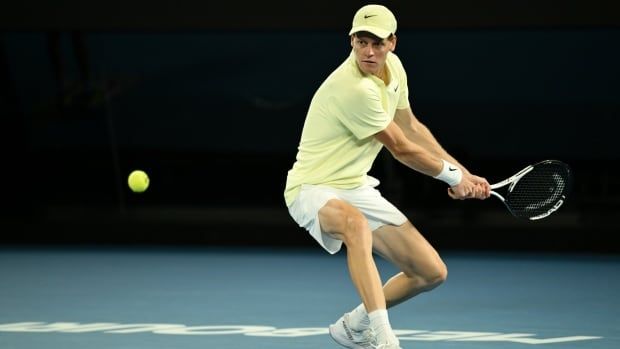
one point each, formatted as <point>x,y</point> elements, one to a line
<point>471,187</point>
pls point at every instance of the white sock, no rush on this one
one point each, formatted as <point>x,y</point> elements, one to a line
<point>358,318</point>
<point>380,323</point>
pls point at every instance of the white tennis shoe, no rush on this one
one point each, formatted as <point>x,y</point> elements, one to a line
<point>344,335</point>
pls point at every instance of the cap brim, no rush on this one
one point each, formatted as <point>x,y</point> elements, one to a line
<point>382,33</point>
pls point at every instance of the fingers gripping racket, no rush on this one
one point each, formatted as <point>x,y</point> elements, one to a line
<point>536,191</point>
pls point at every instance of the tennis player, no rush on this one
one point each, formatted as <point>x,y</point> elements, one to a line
<point>362,106</point>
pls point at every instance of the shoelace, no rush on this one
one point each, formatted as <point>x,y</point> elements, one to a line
<point>368,337</point>
<point>364,338</point>
<point>373,341</point>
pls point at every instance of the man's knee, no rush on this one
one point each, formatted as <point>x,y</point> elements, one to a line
<point>346,223</point>
<point>438,275</point>
<point>435,275</point>
<point>432,275</point>
<point>356,232</point>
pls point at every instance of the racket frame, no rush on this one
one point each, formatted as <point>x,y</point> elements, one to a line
<point>512,181</point>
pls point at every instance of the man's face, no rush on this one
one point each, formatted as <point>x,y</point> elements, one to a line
<point>371,52</point>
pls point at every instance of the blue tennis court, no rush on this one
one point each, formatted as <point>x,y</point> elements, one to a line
<point>210,99</point>
<point>147,297</point>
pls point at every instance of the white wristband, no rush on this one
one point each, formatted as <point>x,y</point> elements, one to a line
<point>450,174</point>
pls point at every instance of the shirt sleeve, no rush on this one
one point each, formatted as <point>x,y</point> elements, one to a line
<point>361,112</point>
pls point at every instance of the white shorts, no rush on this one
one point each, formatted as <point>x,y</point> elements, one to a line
<point>311,198</point>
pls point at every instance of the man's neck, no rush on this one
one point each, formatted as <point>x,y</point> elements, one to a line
<point>384,74</point>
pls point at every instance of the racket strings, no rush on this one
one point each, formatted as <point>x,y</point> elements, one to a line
<point>540,191</point>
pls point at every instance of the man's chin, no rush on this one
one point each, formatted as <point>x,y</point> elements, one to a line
<point>369,71</point>
<point>367,68</point>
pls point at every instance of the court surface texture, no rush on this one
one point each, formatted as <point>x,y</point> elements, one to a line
<point>185,298</point>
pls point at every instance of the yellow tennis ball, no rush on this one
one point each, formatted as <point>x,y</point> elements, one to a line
<point>138,181</point>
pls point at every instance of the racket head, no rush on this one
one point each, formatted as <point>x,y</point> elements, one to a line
<point>540,191</point>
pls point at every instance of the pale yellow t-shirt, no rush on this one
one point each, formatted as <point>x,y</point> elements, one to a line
<point>337,146</point>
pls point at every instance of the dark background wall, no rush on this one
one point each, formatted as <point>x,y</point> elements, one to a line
<point>210,101</point>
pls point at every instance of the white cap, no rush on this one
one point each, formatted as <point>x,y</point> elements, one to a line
<point>376,19</point>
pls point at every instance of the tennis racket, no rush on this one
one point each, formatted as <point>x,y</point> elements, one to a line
<point>536,191</point>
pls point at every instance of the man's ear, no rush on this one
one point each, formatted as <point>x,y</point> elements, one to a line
<point>352,39</point>
<point>393,41</point>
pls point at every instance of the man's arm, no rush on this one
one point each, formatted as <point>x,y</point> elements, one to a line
<point>409,153</point>
<point>419,134</point>
<point>422,160</point>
